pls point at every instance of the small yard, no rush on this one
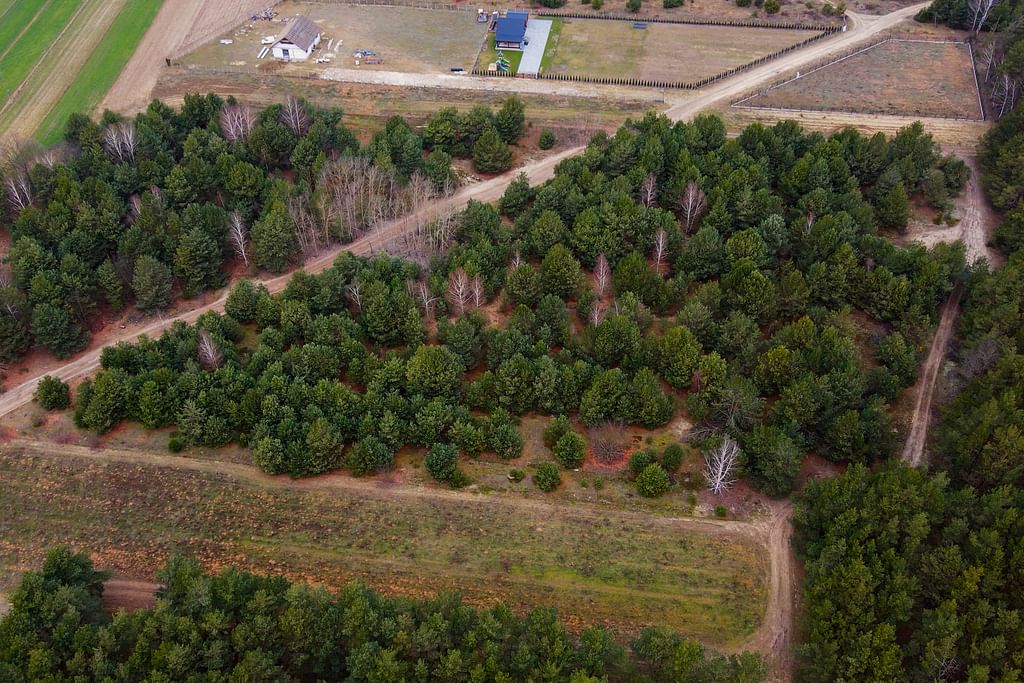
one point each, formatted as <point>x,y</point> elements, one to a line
<point>406,38</point>
<point>902,77</point>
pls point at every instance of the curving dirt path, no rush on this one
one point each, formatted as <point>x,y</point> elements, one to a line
<point>775,638</point>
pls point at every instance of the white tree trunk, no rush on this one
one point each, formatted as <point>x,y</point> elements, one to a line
<point>719,464</point>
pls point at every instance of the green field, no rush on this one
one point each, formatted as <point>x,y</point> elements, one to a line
<point>102,68</point>
<point>26,30</point>
<point>613,567</point>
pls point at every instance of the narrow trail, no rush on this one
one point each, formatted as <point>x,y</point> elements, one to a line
<point>775,637</point>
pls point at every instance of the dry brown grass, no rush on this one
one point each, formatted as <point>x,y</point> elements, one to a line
<point>665,52</point>
<point>904,78</point>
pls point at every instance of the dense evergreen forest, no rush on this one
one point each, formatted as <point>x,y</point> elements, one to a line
<point>917,576</point>
<point>665,268</point>
<point>136,211</point>
<point>239,628</point>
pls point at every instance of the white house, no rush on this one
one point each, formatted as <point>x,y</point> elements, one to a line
<point>298,41</point>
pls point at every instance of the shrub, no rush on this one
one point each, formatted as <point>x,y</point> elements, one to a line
<point>669,4</point>
<point>547,139</point>
<point>175,444</point>
<point>596,4</point>
<point>441,461</point>
<point>459,479</point>
<point>504,439</point>
<point>491,154</point>
<point>570,450</point>
<point>547,477</point>
<point>720,511</point>
<point>771,6</point>
<point>552,4</point>
<point>639,461</point>
<point>516,475</point>
<point>743,3</point>
<point>672,458</point>
<point>633,5</point>
<point>556,428</point>
<point>652,481</point>
<point>52,394</point>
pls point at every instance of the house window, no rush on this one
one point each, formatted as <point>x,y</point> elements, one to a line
<point>285,53</point>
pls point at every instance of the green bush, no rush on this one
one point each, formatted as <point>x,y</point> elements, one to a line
<point>570,450</point>
<point>673,456</point>
<point>516,475</point>
<point>175,444</point>
<point>556,428</point>
<point>547,477</point>
<point>720,511</point>
<point>743,3</point>
<point>653,481</point>
<point>669,4</point>
<point>597,4</point>
<point>52,394</point>
<point>633,5</point>
<point>491,154</point>
<point>504,439</point>
<point>639,461</point>
<point>547,139</point>
<point>441,461</point>
<point>552,4</point>
<point>772,6</point>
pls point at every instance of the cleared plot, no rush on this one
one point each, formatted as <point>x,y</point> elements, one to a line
<point>102,67</point>
<point>665,52</point>
<point>406,38</point>
<point>617,568</point>
<point>907,78</point>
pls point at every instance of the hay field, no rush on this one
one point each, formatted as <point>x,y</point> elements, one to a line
<point>901,77</point>
<point>665,52</point>
<point>407,38</point>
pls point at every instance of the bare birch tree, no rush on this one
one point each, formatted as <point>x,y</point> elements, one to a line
<point>692,205</point>
<point>307,229</point>
<point>597,312</point>
<point>649,190</point>
<point>356,197</point>
<point>478,296</point>
<point>980,10</point>
<point>120,142</point>
<point>419,290</point>
<point>238,236</point>
<point>295,115</point>
<point>237,121</point>
<point>355,294</point>
<point>458,290</point>
<point>19,190</point>
<point>660,250</point>
<point>719,465</point>
<point>210,355</point>
<point>517,260</point>
<point>602,275</point>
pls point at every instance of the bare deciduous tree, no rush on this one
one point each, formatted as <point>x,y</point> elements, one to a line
<point>602,275</point>
<point>119,142</point>
<point>237,121</point>
<point>649,190</point>
<point>19,190</point>
<point>517,260</point>
<point>420,291</point>
<point>295,115</point>
<point>210,355</point>
<point>308,231</point>
<point>980,10</point>
<point>458,290</point>
<point>597,312</point>
<point>356,197</point>
<point>1005,94</point>
<point>476,290</point>
<point>719,465</point>
<point>660,250</point>
<point>238,236</point>
<point>692,205</point>
<point>355,294</point>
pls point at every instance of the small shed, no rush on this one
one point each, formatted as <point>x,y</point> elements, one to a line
<point>299,41</point>
<point>510,31</point>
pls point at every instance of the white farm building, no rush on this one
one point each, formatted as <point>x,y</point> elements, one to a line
<point>298,41</point>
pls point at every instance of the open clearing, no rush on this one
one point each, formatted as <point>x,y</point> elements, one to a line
<point>623,570</point>
<point>62,57</point>
<point>406,38</point>
<point>889,78</point>
<point>664,52</point>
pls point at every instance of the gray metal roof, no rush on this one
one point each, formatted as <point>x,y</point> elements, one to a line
<point>302,33</point>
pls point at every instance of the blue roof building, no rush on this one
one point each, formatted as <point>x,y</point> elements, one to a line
<point>510,31</point>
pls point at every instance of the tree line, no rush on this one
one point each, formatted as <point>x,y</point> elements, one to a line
<point>917,576</point>
<point>237,627</point>
<point>136,211</point>
<point>666,268</point>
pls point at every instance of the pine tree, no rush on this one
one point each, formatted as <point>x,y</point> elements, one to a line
<point>273,239</point>
<point>491,154</point>
<point>510,120</point>
<point>151,283</point>
<point>197,263</point>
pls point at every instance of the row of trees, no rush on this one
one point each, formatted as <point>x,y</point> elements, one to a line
<point>234,626</point>
<point>915,576</point>
<point>729,281</point>
<point>131,211</point>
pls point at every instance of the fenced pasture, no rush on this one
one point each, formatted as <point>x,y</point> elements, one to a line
<point>410,39</point>
<point>61,56</point>
<point>660,52</point>
<point>896,76</point>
